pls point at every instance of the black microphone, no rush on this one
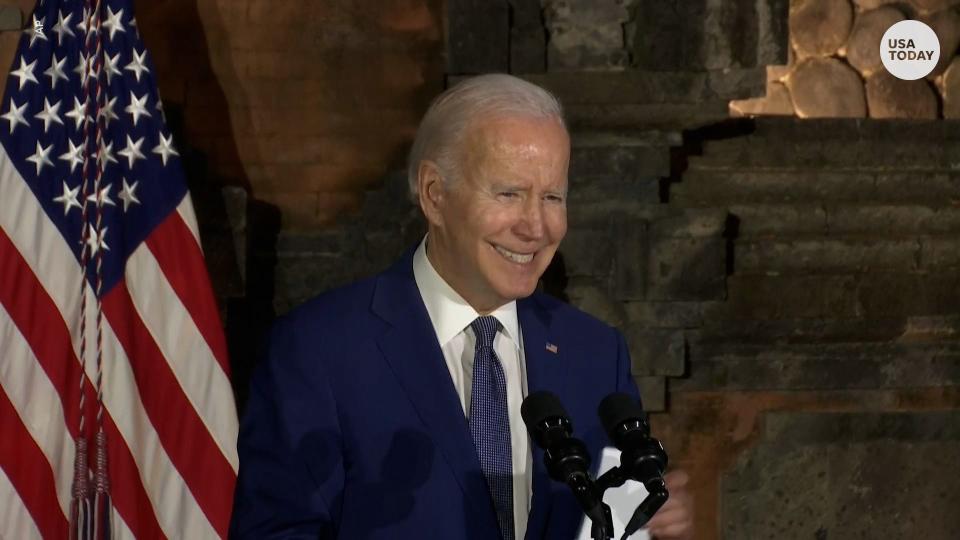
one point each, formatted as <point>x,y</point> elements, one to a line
<point>566,457</point>
<point>642,458</point>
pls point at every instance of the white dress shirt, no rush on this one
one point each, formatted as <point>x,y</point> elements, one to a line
<point>451,316</point>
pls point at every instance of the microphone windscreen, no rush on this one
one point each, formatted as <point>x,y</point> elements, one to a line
<point>540,406</point>
<point>616,409</point>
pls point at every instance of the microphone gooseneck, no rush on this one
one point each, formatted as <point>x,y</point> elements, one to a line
<point>642,458</point>
<point>566,457</point>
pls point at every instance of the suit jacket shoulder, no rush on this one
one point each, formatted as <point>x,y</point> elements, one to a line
<point>569,315</point>
<point>334,311</point>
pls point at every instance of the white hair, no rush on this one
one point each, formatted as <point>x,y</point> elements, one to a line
<point>445,123</point>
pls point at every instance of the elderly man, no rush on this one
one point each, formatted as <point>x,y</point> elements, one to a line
<point>391,408</point>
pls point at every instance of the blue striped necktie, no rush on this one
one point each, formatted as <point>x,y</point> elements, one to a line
<point>490,423</point>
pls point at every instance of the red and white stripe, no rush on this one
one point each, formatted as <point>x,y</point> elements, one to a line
<point>170,417</point>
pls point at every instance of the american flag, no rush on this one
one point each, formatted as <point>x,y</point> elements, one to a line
<point>86,160</point>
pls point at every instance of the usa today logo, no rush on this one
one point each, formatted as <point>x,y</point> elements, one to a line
<point>909,50</point>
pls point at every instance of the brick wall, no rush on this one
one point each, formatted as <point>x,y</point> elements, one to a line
<point>305,104</point>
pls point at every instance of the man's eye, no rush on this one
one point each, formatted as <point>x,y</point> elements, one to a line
<point>508,194</point>
<point>554,198</point>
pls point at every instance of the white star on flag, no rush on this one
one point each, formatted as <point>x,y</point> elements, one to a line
<point>77,113</point>
<point>113,22</point>
<point>107,111</point>
<point>36,31</point>
<point>137,107</point>
<point>25,72</point>
<point>15,115</point>
<point>132,151</point>
<point>55,71</point>
<point>63,26</point>
<point>82,24</point>
<point>69,198</point>
<point>159,108</point>
<point>49,114</point>
<point>105,155</point>
<point>94,241</point>
<point>103,198</point>
<point>41,157</point>
<point>165,148</point>
<point>128,195</point>
<point>137,65</point>
<point>110,65</point>
<point>82,69</point>
<point>73,155</point>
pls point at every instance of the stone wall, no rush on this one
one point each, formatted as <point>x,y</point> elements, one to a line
<point>303,104</point>
<point>533,36</point>
<point>835,68</point>
<point>833,362</point>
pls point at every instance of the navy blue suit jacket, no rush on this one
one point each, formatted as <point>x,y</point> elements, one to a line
<point>354,430</point>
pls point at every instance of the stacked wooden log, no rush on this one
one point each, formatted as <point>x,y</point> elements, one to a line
<point>835,69</point>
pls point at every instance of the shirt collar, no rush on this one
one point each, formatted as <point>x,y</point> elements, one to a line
<point>449,312</point>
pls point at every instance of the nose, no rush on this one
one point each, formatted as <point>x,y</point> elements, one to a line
<point>531,225</point>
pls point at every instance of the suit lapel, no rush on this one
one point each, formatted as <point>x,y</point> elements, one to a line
<point>546,370</point>
<point>410,347</point>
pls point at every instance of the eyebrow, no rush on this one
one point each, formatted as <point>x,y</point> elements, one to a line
<point>505,186</point>
<point>509,187</point>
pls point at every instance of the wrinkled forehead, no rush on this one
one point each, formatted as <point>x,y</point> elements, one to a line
<point>524,139</point>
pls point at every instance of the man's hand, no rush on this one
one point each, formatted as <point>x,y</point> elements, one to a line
<point>674,520</point>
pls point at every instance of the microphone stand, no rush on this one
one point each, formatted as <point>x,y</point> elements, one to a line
<point>642,457</point>
<point>602,529</point>
<point>657,493</point>
<point>569,455</point>
<point>601,519</point>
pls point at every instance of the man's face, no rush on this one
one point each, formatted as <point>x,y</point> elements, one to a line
<point>495,230</point>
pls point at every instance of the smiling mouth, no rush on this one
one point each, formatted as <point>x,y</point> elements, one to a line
<point>511,256</point>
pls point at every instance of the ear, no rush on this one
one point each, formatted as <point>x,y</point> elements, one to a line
<point>431,192</point>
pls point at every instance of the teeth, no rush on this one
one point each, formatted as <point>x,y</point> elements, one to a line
<point>515,257</point>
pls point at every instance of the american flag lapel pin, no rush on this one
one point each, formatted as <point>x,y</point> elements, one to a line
<point>552,348</point>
